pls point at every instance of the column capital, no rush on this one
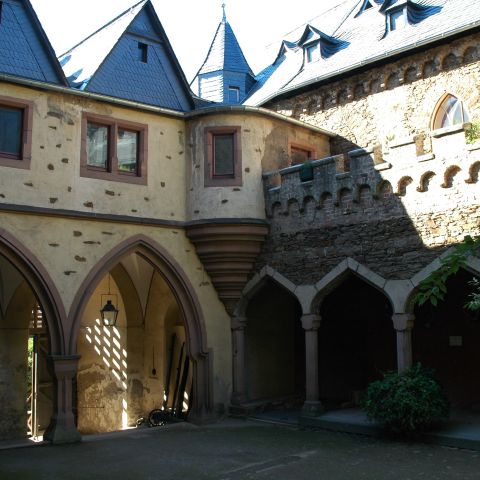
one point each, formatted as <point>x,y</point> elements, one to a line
<point>311,321</point>
<point>238,323</point>
<point>403,321</point>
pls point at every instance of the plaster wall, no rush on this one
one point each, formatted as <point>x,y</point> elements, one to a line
<point>54,180</point>
<point>14,323</point>
<point>102,397</point>
<point>70,248</point>
<point>264,146</point>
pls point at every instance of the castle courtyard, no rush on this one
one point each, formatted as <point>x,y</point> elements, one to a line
<point>238,449</point>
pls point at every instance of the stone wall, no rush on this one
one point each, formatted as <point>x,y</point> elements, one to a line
<point>397,193</point>
<point>391,101</point>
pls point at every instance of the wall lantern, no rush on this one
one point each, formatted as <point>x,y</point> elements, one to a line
<point>109,312</point>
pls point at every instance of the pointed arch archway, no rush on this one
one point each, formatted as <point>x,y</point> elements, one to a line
<point>41,284</point>
<point>445,337</point>
<point>336,276</point>
<point>356,336</point>
<point>183,292</point>
<point>36,305</point>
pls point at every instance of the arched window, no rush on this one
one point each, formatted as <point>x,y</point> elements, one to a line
<point>451,111</point>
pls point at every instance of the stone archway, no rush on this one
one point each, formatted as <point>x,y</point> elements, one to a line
<point>189,310</point>
<point>274,345</point>
<point>445,338</point>
<point>357,340</point>
<point>29,302</point>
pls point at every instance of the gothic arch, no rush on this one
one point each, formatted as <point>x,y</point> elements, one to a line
<point>183,293</point>
<point>256,283</point>
<point>439,109</point>
<point>335,277</point>
<point>42,285</point>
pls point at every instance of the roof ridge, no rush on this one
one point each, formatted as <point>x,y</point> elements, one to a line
<point>103,27</point>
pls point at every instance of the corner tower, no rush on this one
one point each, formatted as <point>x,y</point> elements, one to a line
<point>225,76</point>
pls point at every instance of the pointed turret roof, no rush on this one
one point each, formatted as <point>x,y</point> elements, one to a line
<point>225,52</point>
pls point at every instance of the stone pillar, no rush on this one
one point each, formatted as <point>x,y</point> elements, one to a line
<point>62,427</point>
<point>238,348</point>
<point>312,405</point>
<point>403,324</point>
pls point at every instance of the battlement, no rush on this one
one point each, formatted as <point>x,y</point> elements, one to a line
<point>386,180</point>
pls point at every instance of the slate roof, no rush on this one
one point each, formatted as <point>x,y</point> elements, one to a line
<point>107,61</point>
<point>25,50</point>
<point>224,53</point>
<point>82,61</point>
<point>365,39</point>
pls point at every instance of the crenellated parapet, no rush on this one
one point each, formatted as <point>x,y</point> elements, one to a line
<point>382,182</point>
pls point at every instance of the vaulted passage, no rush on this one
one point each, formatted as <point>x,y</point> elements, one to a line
<point>356,341</point>
<point>26,387</point>
<point>275,346</point>
<point>447,338</point>
<point>139,364</point>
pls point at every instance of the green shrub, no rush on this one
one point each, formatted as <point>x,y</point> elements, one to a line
<point>472,132</point>
<point>406,403</point>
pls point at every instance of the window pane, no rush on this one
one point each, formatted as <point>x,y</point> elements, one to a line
<point>397,20</point>
<point>11,124</point>
<point>451,111</point>
<point>223,155</point>
<point>143,52</point>
<point>313,53</point>
<point>97,145</point>
<point>127,151</point>
<point>300,155</point>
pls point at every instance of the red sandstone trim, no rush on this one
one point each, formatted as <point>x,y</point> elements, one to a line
<point>26,153</point>
<point>112,173</point>
<point>210,179</point>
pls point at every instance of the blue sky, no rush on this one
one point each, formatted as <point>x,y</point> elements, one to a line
<point>259,25</point>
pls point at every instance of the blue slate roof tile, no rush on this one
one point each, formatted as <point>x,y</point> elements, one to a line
<point>224,68</point>
<point>225,52</point>
<point>24,48</point>
<point>108,62</point>
<point>365,38</point>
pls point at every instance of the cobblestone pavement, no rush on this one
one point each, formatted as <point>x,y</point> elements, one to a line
<point>234,450</point>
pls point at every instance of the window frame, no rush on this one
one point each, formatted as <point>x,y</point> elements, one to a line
<point>212,180</point>
<point>309,49</point>
<point>111,172</point>
<point>25,157</point>
<point>439,113</point>
<point>393,11</point>
<point>309,149</point>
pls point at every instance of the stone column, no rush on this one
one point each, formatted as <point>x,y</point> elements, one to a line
<point>403,324</point>
<point>62,427</point>
<point>238,347</point>
<point>312,405</point>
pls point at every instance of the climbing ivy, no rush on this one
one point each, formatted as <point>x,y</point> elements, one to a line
<point>434,288</point>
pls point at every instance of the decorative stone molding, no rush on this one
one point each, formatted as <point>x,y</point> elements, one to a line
<point>228,252</point>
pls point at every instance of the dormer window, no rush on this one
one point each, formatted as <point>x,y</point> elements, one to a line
<point>312,53</point>
<point>397,19</point>
<point>365,6</point>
